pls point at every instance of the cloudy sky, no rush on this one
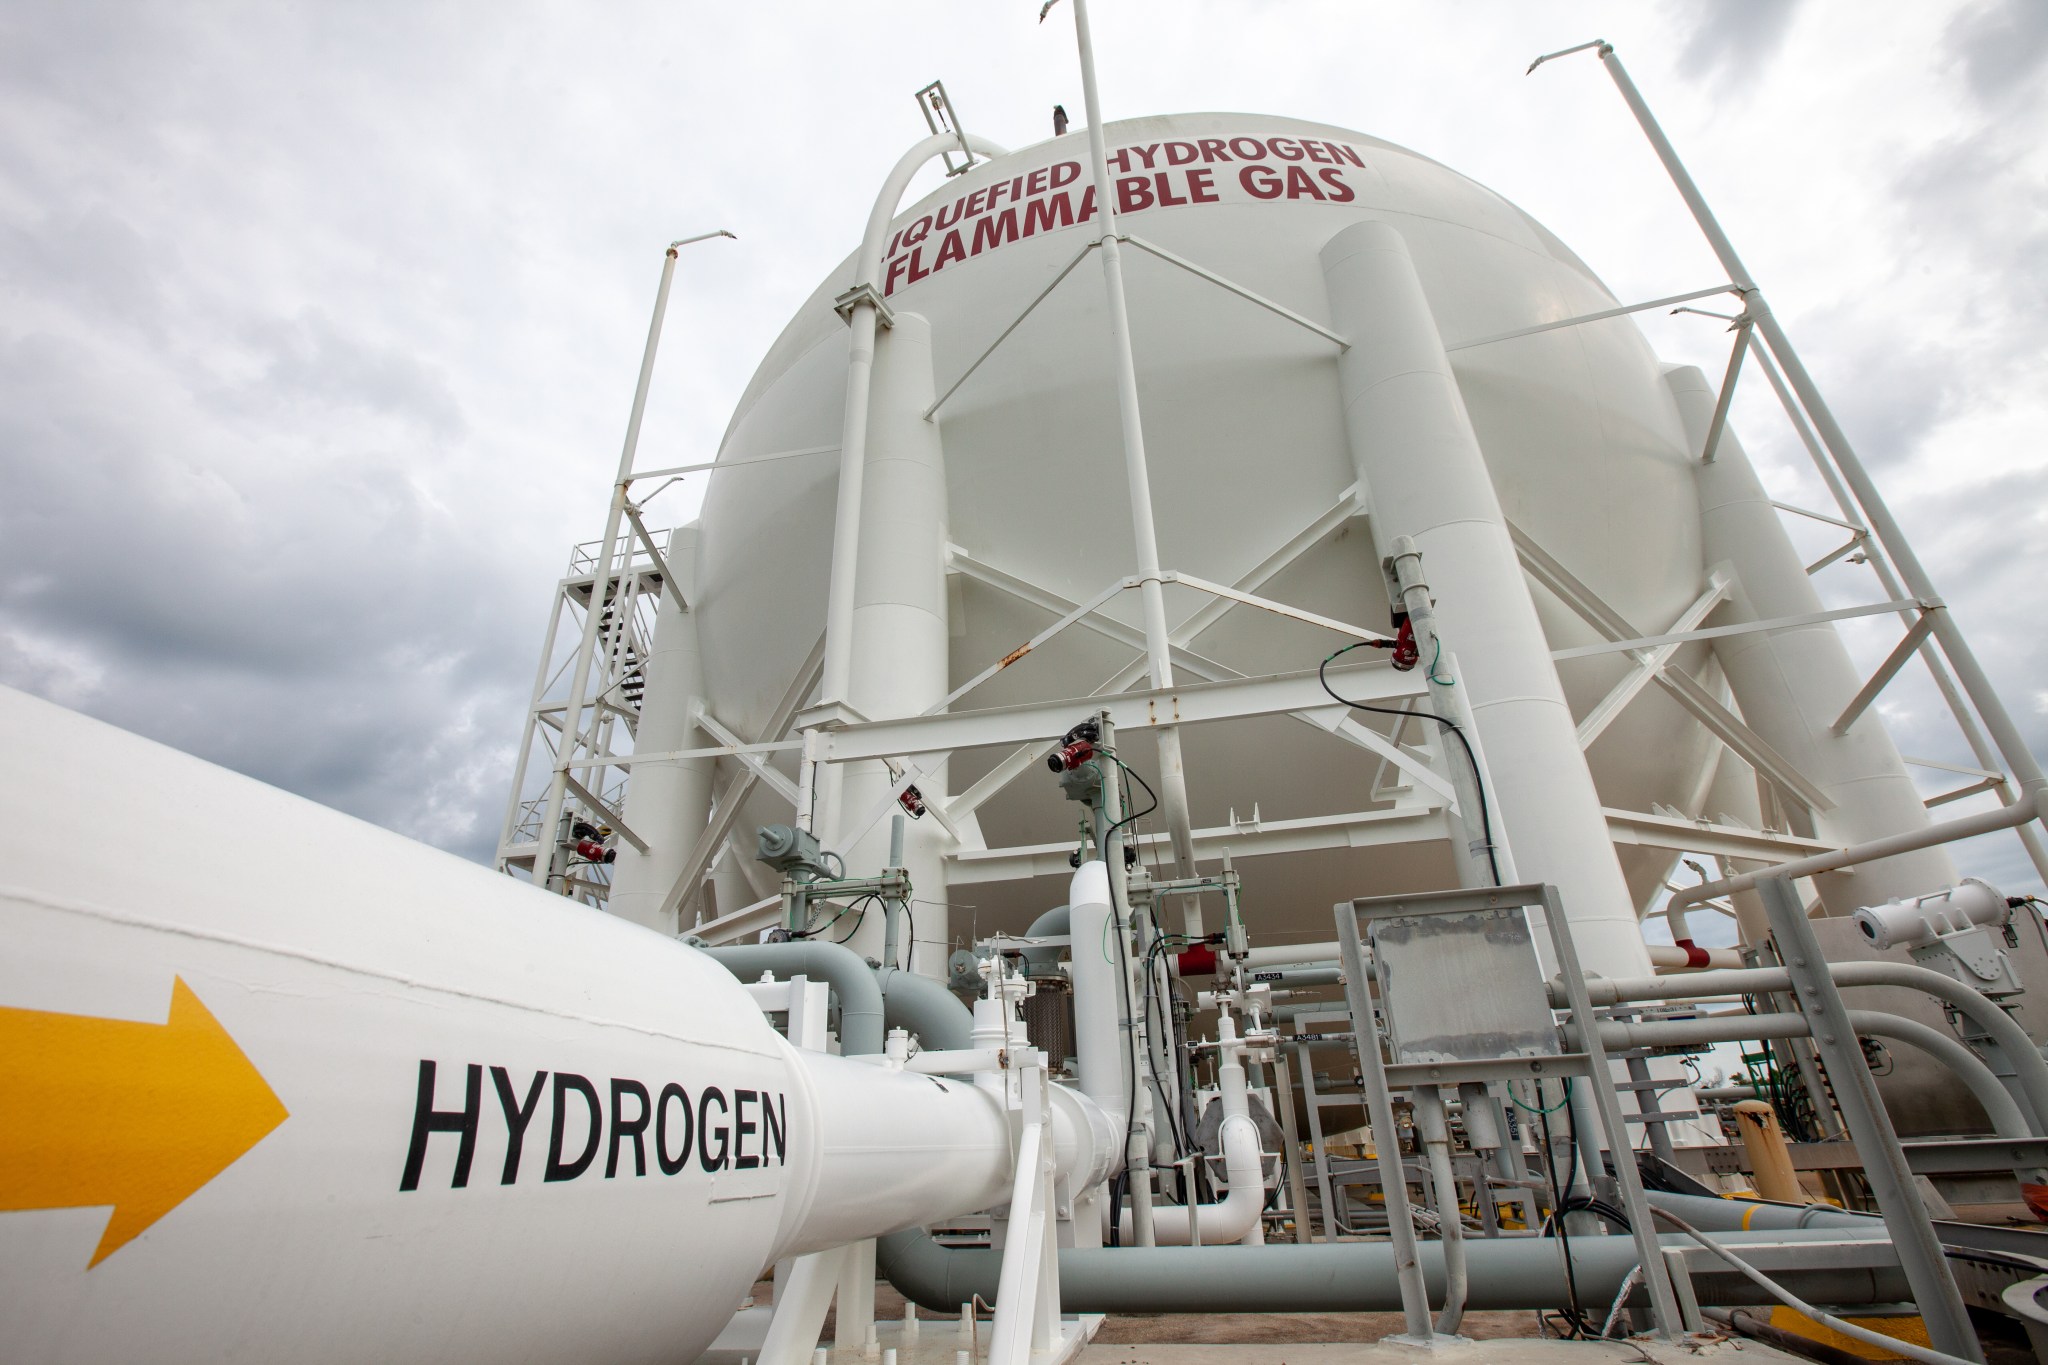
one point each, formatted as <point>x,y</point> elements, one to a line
<point>318,323</point>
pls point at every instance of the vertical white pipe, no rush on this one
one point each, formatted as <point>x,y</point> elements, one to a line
<point>1792,684</point>
<point>1417,456</point>
<point>668,802</point>
<point>899,648</point>
<point>1099,1044</point>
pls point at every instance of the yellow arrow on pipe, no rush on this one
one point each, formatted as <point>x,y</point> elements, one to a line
<point>139,1116</point>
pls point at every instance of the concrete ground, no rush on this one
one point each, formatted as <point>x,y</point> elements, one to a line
<point>1257,1339</point>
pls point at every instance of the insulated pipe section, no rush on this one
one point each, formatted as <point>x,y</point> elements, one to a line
<point>2030,1071</point>
<point>1099,1046</point>
<point>1792,684</point>
<point>307,1116</point>
<point>851,979</point>
<point>894,1149</point>
<point>1507,1273</point>
<point>1231,1219</point>
<point>1426,478</point>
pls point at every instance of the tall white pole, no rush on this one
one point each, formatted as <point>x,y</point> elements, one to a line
<point>547,862</point>
<point>1975,682</point>
<point>1173,792</point>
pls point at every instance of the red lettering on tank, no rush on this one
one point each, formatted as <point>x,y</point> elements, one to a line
<point>1044,214</point>
<point>1167,198</point>
<point>943,221</point>
<point>994,230</point>
<point>1036,184</point>
<point>1344,153</point>
<point>1260,182</point>
<point>1133,193</point>
<point>1317,151</point>
<point>953,249</point>
<point>917,231</point>
<point>1202,187</point>
<point>1065,173</point>
<point>1300,185</point>
<point>1340,193</point>
<point>1248,148</point>
<point>1180,153</point>
<point>1284,148</point>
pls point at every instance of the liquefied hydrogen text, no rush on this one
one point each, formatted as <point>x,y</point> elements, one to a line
<point>1151,175</point>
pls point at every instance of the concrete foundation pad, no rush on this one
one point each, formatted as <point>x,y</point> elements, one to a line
<point>1514,1351</point>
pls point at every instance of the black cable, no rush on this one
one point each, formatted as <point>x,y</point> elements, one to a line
<point>1125,768</point>
<point>1478,779</point>
<point>1564,1237</point>
<point>1152,953</point>
<point>1123,958</point>
<point>909,943</point>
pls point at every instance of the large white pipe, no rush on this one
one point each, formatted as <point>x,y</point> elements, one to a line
<point>1100,1044</point>
<point>363,1100</point>
<point>668,802</point>
<point>901,645</point>
<point>1419,460</point>
<point>1792,684</point>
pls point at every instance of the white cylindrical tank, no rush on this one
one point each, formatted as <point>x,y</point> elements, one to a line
<point>668,801</point>
<point>342,1097</point>
<point>1247,447</point>
<point>1793,684</point>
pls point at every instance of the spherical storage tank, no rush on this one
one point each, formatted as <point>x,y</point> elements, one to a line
<point>1244,426</point>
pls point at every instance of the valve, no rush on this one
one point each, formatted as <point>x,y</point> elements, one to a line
<point>1077,746</point>
<point>1406,652</point>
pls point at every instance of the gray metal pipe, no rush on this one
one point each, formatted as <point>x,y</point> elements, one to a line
<point>1507,1273</point>
<point>1443,1184</point>
<point>2029,1070</point>
<point>1711,1213</point>
<point>1051,924</point>
<point>847,972</point>
<point>926,1008</point>
<point>1999,1107</point>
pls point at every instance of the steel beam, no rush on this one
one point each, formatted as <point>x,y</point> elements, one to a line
<point>1152,709</point>
<point>1870,1126</point>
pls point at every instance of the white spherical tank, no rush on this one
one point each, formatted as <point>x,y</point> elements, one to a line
<point>1249,461</point>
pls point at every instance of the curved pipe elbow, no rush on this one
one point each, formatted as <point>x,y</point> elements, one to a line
<point>1231,1218</point>
<point>870,263</point>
